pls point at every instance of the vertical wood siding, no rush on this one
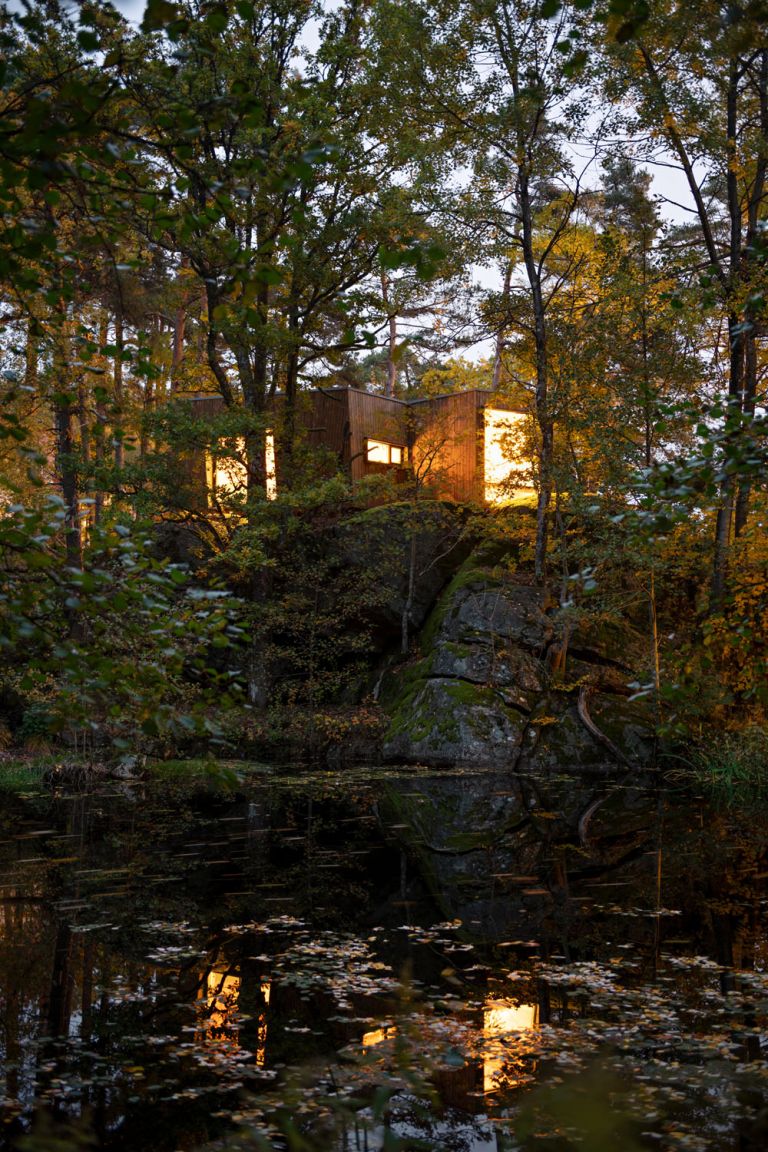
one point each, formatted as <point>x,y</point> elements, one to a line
<point>324,415</point>
<point>446,447</point>
<point>377,418</point>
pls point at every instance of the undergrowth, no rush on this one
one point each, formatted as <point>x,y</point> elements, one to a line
<point>732,766</point>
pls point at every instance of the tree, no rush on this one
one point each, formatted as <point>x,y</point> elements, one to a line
<point>701,89</point>
<point>494,82</point>
<point>98,616</point>
<point>276,199</point>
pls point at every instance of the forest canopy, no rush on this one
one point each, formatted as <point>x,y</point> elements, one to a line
<point>253,200</point>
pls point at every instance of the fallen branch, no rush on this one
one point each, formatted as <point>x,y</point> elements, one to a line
<point>593,729</point>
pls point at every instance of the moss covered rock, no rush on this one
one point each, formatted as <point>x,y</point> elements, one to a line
<point>482,689</point>
<point>444,721</point>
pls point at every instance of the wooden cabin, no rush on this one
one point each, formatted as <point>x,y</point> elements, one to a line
<point>465,446</point>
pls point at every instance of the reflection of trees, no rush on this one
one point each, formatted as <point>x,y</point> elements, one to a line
<point>24,957</point>
<point>572,896</point>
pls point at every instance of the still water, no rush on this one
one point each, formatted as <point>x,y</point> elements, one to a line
<point>381,959</point>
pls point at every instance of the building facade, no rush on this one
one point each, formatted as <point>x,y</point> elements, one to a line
<point>464,446</point>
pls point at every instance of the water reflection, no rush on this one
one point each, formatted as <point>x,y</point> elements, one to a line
<point>219,994</point>
<point>504,1020</point>
<point>499,1040</point>
<point>226,958</point>
<point>378,1036</point>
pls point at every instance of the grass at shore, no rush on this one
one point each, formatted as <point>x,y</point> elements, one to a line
<point>19,774</point>
<point>732,767</point>
<point>216,775</point>
<point>35,773</point>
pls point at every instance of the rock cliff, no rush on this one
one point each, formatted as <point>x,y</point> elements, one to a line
<point>503,678</point>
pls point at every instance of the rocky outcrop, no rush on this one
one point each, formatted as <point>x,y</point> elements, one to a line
<point>489,687</point>
<point>405,554</point>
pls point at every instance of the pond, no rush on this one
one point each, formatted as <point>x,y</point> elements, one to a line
<point>380,959</point>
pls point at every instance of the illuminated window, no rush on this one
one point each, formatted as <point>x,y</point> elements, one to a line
<point>227,475</point>
<point>269,465</point>
<point>506,466</point>
<point>380,452</point>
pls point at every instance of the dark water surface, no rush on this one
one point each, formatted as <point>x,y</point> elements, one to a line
<point>469,961</point>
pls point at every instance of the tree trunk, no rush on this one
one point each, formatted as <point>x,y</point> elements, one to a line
<point>727,488</point>
<point>741,510</point>
<point>117,386</point>
<point>67,470</point>
<point>735,338</point>
<point>66,460</point>
<point>179,332</point>
<point>533,269</point>
<point>391,381</point>
<point>291,384</point>
<point>728,276</point>
<point>541,397</point>
<point>499,350</point>
<point>755,211</point>
<point>98,434</point>
<point>31,359</point>
<point>58,1008</point>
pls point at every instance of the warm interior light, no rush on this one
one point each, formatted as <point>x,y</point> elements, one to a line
<point>382,452</point>
<point>504,455</point>
<point>501,1018</point>
<point>270,467</point>
<point>228,475</point>
<point>377,452</point>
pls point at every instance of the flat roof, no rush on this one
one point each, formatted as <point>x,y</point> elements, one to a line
<point>324,390</point>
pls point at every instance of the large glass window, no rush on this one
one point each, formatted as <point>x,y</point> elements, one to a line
<point>270,469</point>
<point>228,475</point>
<point>506,466</point>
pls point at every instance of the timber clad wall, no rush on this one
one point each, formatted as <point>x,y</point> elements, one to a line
<point>324,414</point>
<point>206,403</point>
<point>447,448</point>
<point>374,418</point>
<point>441,437</point>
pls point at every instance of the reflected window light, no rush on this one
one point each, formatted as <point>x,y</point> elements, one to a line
<point>378,1036</point>
<point>218,997</point>
<point>500,1020</point>
<point>260,1055</point>
<point>260,1048</point>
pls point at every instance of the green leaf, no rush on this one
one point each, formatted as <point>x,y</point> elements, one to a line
<point>158,14</point>
<point>88,41</point>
